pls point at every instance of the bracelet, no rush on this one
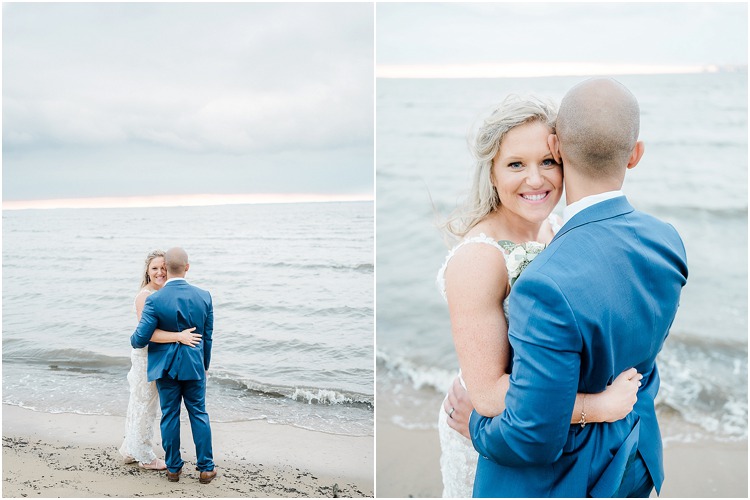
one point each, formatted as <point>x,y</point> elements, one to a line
<point>583,412</point>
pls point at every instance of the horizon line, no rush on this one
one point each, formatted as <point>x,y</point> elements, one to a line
<point>543,69</point>
<point>181,200</point>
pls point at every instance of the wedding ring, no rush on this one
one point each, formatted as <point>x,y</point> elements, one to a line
<point>451,413</point>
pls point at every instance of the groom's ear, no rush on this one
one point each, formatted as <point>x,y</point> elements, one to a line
<point>554,147</point>
<point>637,154</point>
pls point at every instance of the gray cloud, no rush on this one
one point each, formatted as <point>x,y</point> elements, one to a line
<point>223,87</point>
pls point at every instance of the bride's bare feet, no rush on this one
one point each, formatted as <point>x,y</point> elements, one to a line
<point>155,464</point>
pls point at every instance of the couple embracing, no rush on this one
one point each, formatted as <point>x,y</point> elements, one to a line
<point>555,397</point>
<point>171,354</point>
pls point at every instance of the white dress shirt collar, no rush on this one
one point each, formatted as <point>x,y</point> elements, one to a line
<point>175,279</point>
<point>571,210</point>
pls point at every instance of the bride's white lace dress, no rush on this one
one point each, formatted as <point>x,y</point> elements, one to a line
<point>142,408</point>
<point>458,458</point>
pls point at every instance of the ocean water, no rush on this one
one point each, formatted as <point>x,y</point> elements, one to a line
<point>693,175</point>
<point>292,288</point>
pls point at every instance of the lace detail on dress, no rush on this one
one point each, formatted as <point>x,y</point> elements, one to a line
<point>142,407</point>
<point>458,460</point>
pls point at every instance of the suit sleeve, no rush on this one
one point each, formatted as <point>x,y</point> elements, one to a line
<point>546,342</point>
<point>208,331</point>
<point>146,326</point>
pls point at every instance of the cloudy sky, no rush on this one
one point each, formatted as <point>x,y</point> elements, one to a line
<point>141,99</point>
<point>501,39</point>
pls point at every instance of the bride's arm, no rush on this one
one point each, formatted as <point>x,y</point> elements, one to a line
<point>476,283</point>
<point>186,336</point>
<point>609,406</point>
<point>613,404</point>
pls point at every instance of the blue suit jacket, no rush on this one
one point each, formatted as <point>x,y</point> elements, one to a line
<point>177,306</point>
<point>600,299</point>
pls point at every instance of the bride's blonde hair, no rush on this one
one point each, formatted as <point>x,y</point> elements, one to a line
<point>145,279</point>
<point>483,199</point>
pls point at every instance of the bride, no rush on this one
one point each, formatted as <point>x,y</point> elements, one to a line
<point>144,398</point>
<point>507,221</point>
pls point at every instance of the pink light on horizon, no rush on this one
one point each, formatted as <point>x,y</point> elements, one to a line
<point>191,200</point>
<point>532,69</point>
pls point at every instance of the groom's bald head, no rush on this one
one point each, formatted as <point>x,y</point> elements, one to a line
<point>597,126</point>
<point>176,260</point>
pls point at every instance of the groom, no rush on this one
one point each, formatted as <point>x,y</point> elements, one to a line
<point>600,299</point>
<point>180,370</point>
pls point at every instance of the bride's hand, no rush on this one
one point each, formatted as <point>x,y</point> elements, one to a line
<point>458,407</point>
<point>189,338</point>
<point>619,398</point>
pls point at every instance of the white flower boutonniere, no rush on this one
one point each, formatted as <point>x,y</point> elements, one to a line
<point>520,256</point>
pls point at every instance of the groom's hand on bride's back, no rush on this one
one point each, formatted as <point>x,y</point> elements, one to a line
<point>458,407</point>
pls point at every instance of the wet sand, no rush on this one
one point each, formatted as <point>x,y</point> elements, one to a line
<point>69,455</point>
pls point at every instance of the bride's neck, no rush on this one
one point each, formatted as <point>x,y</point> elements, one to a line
<point>513,227</point>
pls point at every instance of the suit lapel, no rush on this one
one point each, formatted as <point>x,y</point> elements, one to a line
<point>601,211</point>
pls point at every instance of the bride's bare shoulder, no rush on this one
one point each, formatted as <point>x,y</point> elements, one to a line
<point>141,296</point>
<point>477,260</point>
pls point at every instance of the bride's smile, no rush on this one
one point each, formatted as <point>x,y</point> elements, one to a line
<point>535,197</point>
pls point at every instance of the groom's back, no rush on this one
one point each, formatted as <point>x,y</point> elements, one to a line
<point>599,300</point>
<point>624,290</point>
<point>178,306</point>
<point>182,305</point>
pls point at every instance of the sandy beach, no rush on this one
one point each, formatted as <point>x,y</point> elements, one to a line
<point>408,465</point>
<point>69,455</point>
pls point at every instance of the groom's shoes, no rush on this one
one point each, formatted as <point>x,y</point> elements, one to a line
<point>207,476</point>
<point>174,476</point>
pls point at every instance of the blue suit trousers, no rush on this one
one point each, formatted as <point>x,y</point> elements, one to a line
<point>171,394</point>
